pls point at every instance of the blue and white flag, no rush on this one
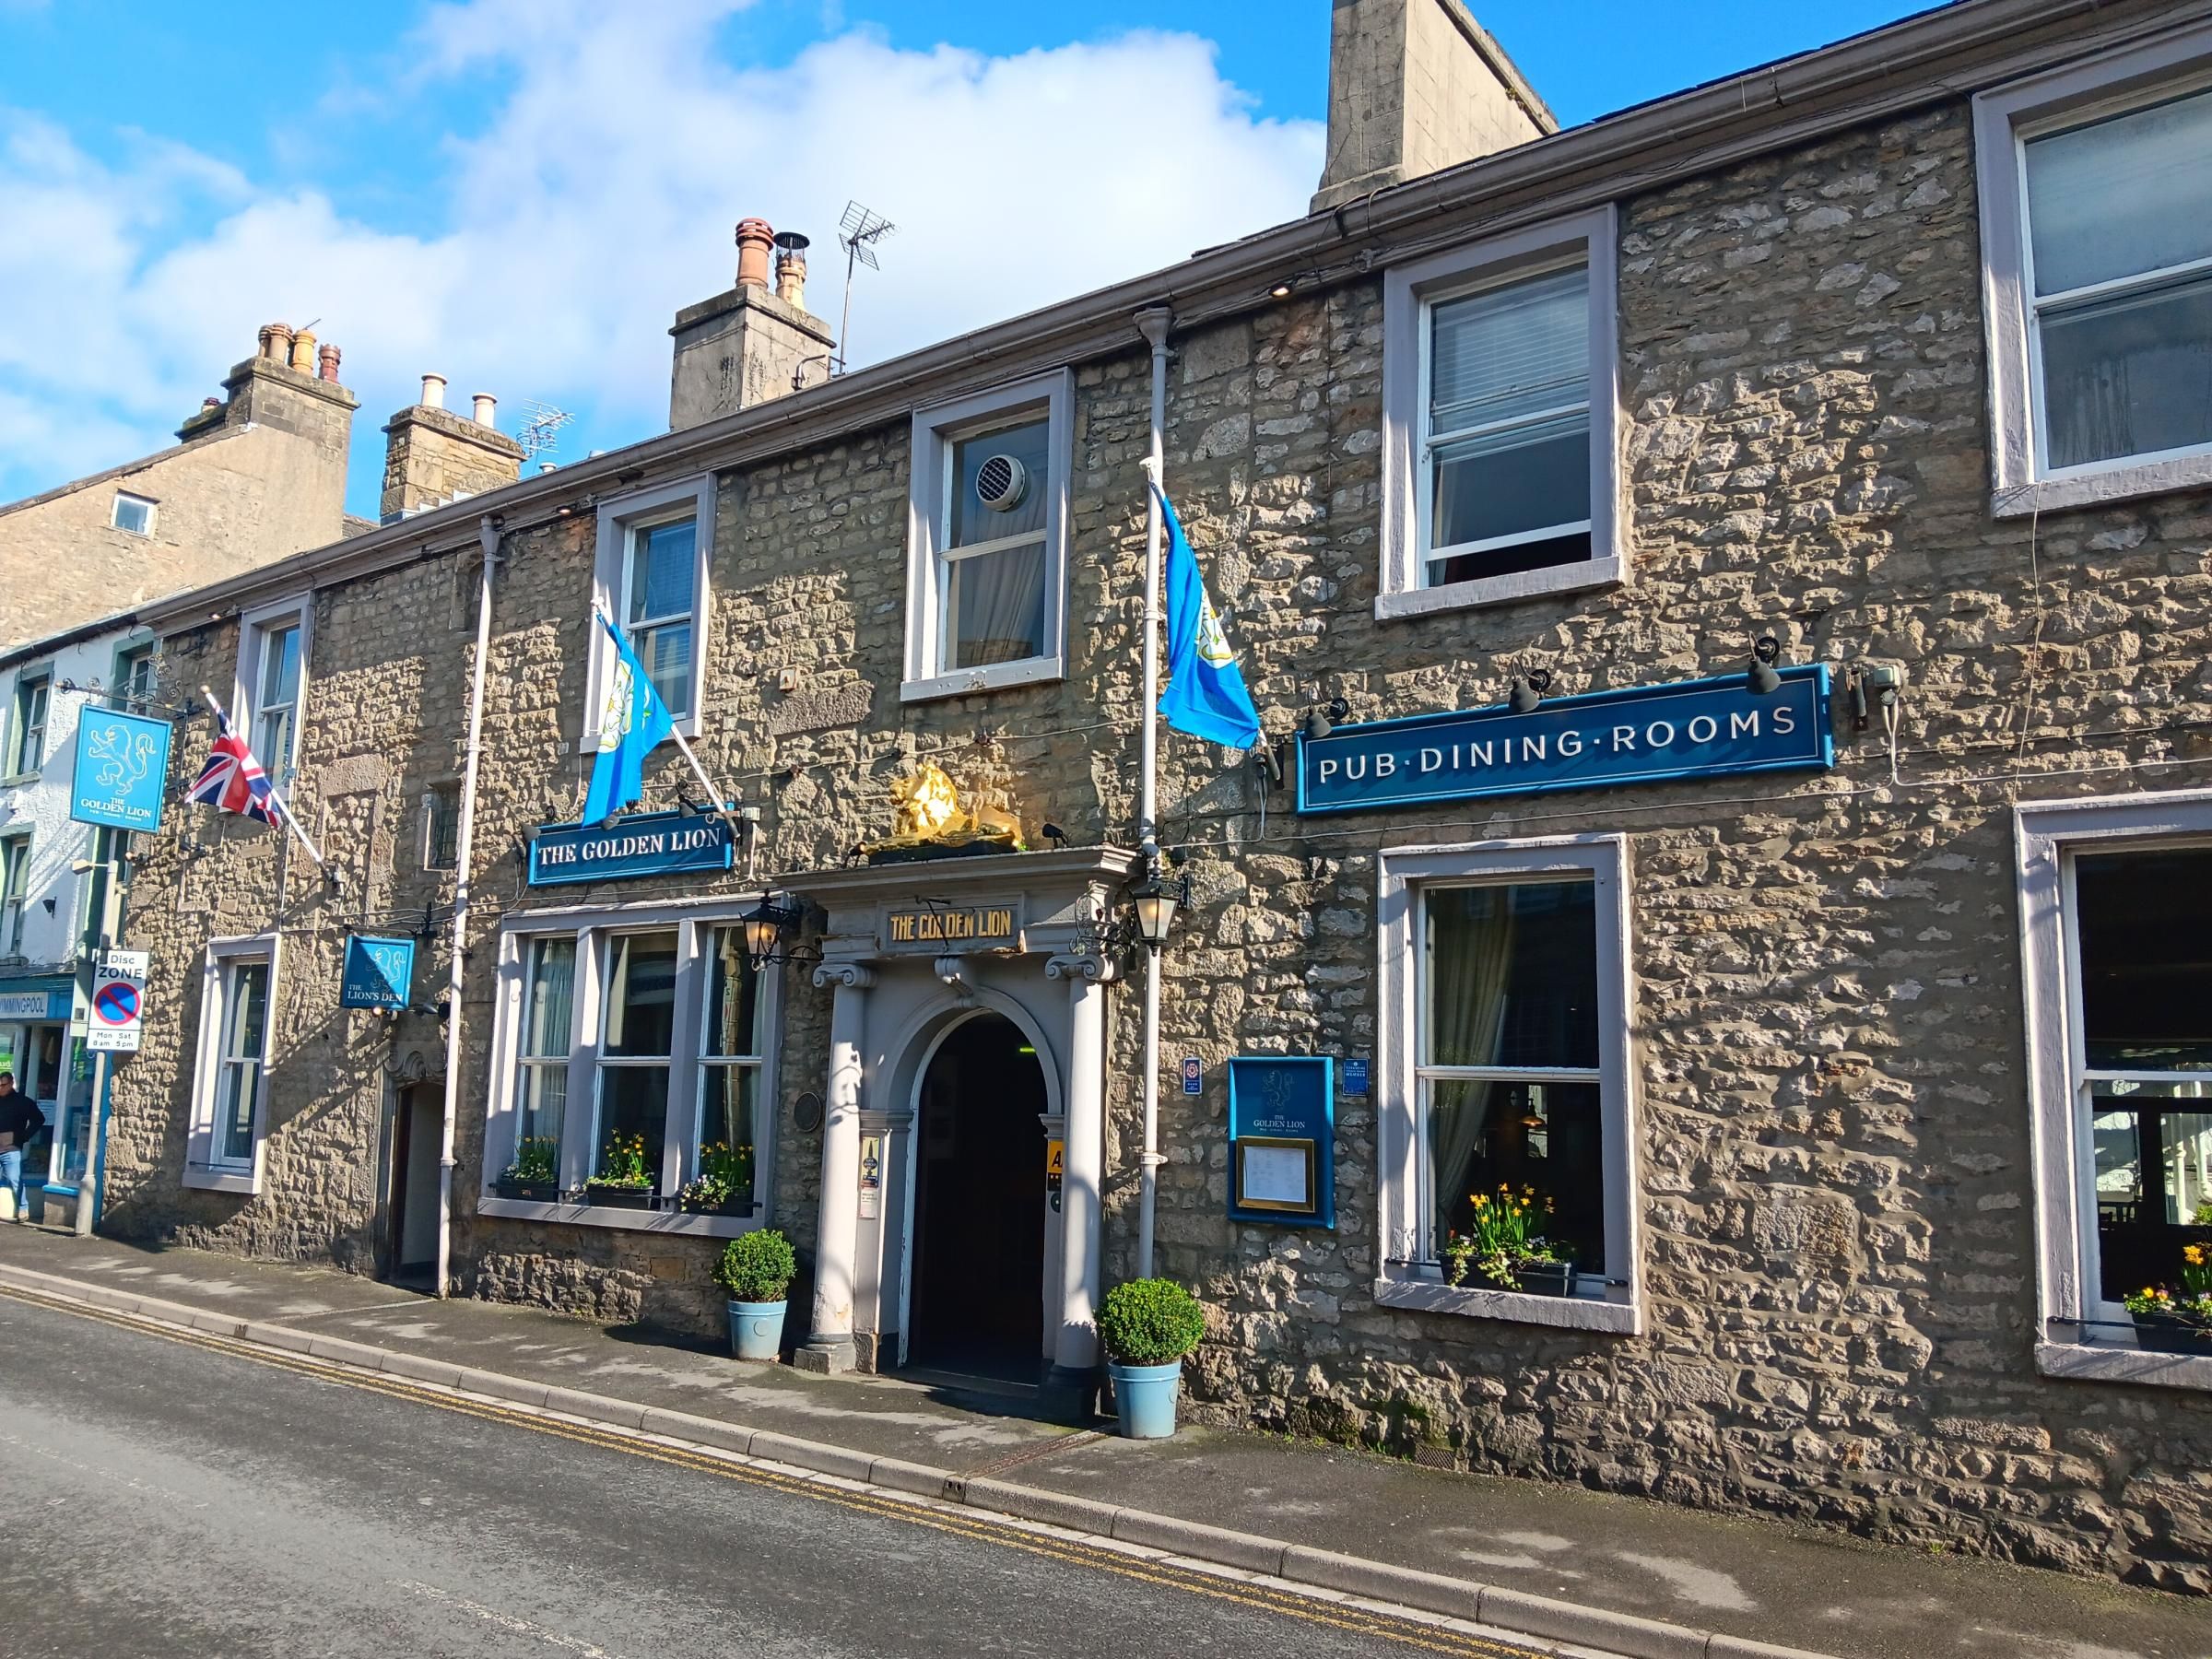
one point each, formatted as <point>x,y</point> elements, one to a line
<point>632,721</point>
<point>1205,694</point>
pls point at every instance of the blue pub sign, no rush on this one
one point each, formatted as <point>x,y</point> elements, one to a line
<point>1282,1139</point>
<point>121,768</point>
<point>1641,734</point>
<point>657,843</point>
<point>379,974</point>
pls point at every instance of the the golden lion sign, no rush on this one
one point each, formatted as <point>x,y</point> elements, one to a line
<point>926,812</point>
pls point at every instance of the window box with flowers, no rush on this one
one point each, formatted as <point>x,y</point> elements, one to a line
<point>724,1183</point>
<point>2179,1322</point>
<point>1502,1249</point>
<point>623,1180</point>
<point>535,1171</point>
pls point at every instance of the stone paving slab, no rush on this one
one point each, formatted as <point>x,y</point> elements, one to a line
<point>1751,1580</point>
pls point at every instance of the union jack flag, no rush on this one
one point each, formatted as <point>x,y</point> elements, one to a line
<point>232,781</point>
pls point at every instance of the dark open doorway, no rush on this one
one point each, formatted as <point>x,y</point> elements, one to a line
<point>978,1287</point>
<point>418,1132</point>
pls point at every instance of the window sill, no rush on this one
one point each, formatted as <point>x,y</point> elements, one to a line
<point>17,780</point>
<point>2102,1362</point>
<point>223,1180</point>
<point>624,1220</point>
<point>1501,590</point>
<point>687,728</point>
<point>2115,481</point>
<point>964,682</point>
<point>1561,1312</point>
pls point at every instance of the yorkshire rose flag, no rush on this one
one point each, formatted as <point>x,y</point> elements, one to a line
<point>1205,694</point>
<point>632,722</point>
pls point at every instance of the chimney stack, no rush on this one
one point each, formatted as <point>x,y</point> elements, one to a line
<point>1414,87</point>
<point>288,383</point>
<point>433,457</point>
<point>750,343</point>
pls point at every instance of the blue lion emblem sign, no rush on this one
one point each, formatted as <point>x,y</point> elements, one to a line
<point>122,767</point>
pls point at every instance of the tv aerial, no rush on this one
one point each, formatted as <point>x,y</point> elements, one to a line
<point>541,431</point>
<point>857,233</point>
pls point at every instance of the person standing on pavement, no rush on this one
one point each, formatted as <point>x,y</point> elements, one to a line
<point>19,1121</point>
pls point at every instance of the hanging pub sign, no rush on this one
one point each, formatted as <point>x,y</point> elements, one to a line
<point>659,843</point>
<point>379,973</point>
<point>1641,734</point>
<point>1282,1139</point>
<point>121,768</point>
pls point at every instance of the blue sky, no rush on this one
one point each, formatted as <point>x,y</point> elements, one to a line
<point>518,194</point>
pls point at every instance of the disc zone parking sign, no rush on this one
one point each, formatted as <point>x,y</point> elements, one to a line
<point>118,1003</point>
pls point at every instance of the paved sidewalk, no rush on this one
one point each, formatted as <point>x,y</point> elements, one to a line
<point>1754,1580</point>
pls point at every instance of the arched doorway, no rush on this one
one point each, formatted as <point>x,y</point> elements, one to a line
<point>977,1293</point>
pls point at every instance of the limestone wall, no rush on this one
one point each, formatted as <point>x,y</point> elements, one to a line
<point>1833,1169</point>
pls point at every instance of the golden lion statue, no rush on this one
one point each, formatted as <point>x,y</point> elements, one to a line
<point>926,812</point>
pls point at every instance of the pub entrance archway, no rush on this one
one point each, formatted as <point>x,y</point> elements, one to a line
<point>977,1292</point>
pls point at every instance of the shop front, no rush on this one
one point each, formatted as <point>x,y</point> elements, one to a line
<point>964,1127</point>
<point>47,1058</point>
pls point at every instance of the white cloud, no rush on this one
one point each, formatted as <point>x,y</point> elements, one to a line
<point>599,196</point>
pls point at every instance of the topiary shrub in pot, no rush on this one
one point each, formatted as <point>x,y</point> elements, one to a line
<point>757,1269</point>
<point>1146,1327</point>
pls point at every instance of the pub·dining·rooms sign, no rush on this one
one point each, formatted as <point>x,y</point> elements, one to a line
<point>1641,734</point>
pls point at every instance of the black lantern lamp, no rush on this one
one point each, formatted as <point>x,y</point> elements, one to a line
<point>1322,720</point>
<point>1762,681</point>
<point>1155,900</point>
<point>771,929</point>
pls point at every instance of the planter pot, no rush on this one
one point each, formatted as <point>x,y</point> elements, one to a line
<point>1545,1278</point>
<point>756,1329</point>
<point>2172,1335</point>
<point>735,1206</point>
<point>638,1198</point>
<point>1144,1397</point>
<point>540,1192</point>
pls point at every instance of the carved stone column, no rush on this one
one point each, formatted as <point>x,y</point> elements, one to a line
<point>829,1339</point>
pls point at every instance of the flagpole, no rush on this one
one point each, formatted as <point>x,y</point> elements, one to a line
<point>1153,323</point>
<point>284,807</point>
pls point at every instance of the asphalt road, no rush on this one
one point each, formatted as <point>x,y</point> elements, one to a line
<point>176,1498</point>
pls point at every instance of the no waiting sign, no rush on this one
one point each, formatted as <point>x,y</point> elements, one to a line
<point>118,1003</point>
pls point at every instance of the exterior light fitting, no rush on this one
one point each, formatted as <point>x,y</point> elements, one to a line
<point>1155,900</point>
<point>770,930</point>
<point>1322,720</point>
<point>1281,290</point>
<point>1528,691</point>
<point>1762,681</point>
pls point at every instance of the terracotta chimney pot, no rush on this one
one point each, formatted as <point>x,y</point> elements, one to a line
<point>487,409</point>
<point>303,351</point>
<point>754,239</point>
<point>326,364</point>
<point>277,338</point>
<point>433,391</point>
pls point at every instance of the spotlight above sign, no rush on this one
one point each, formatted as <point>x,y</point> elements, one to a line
<point>1641,734</point>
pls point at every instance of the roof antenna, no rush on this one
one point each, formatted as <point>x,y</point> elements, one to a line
<point>541,431</point>
<point>857,233</point>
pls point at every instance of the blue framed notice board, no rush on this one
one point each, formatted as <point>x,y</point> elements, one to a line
<point>1282,1139</point>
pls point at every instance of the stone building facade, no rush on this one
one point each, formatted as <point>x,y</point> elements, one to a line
<point>1817,1055</point>
<point>255,475</point>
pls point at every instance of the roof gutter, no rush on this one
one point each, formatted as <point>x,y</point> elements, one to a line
<point>1946,53</point>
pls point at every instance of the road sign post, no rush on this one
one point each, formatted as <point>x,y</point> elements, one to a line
<point>112,1027</point>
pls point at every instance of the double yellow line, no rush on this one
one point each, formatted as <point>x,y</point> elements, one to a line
<point>959,1523</point>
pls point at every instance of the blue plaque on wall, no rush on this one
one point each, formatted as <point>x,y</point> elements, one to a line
<point>658,843</point>
<point>121,768</point>
<point>1282,1139</point>
<point>379,974</point>
<point>1643,734</point>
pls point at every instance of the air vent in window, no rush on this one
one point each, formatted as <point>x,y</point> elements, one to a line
<point>1001,483</point>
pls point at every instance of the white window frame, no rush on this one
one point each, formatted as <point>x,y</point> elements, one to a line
<point>202,1166</point>
<point>253,629</point>
<point>937,430</point>
<point>19,726</point>
<point>594,928</point>
<point>2046,835</point>
<point>1406,874</point>
<point>619,521</point>
<point>14,903</point>
<point>1408,293</point>
<point>2004,120</point>
<point>115,512</point>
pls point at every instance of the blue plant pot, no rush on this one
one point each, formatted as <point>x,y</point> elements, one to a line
<point>1145,1397</point>
<point>756,1329</point>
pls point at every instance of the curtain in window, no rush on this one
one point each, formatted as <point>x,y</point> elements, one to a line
<point>998,605</point>
<point>1470,961</point>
